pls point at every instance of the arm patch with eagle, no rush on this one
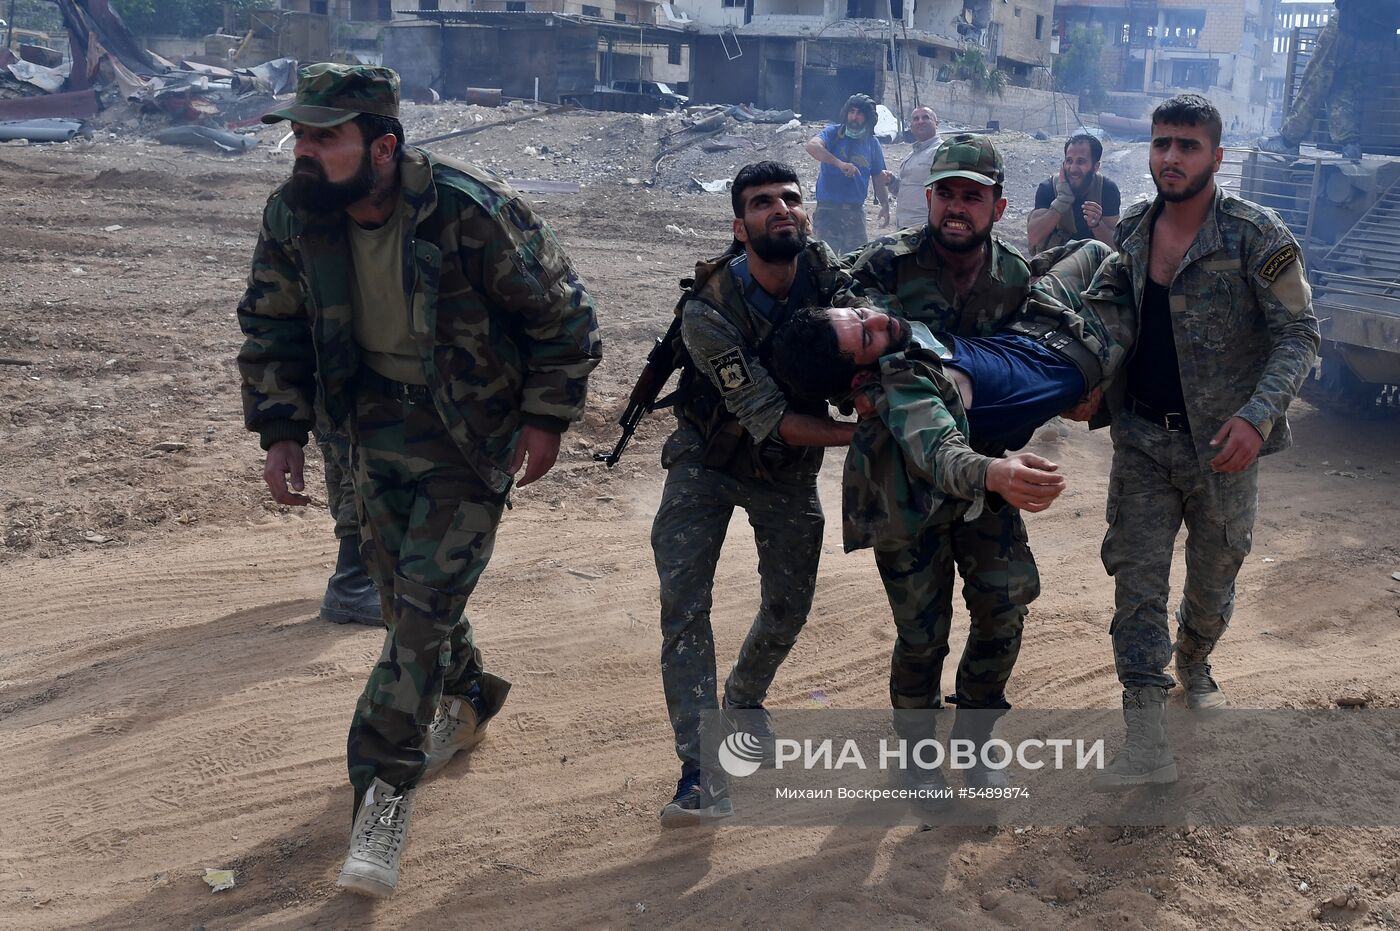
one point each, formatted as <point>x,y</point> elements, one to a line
<point>731,370</point>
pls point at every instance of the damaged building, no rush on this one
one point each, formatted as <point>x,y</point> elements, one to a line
<point>803,55</point>
<point>549,49</point>
<point>1155,48</point>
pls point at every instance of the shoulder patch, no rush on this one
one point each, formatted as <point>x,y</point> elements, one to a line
<point>731,370</point>
<point>1276,263</point>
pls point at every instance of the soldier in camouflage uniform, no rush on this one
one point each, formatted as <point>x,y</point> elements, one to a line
<point>955,277</point>
<point>910,467</point>
<point>439,318</point>
<point>1212,289</point>
<point>740,442</point>
<point>1350,51</point>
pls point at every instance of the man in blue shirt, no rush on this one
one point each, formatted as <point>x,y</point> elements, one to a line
<point>850,157</point>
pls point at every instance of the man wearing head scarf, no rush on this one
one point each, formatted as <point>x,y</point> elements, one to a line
<point>850,158</point>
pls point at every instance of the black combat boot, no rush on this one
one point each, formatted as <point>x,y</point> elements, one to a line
<point>351,597</point>
<point>975,725</point>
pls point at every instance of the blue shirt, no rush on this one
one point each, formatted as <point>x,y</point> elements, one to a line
<point>1017,385</point>
<point>833,187</point>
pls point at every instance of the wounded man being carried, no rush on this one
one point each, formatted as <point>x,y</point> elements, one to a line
<point>923,396</point>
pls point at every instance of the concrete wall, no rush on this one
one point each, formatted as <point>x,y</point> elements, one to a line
<point>1018,39</point>
<point>1021,108</point>
<point>414,50</point>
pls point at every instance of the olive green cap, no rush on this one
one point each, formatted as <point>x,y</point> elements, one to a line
<point>967,155</point>
<point>329,94</point>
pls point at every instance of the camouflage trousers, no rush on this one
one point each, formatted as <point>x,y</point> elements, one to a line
<point>1156,484</point>
<point>429,526</point>
<point>1337,76</point>
<point>334,442</point>
<point>340,480</point>
<point>686,539</point>
<point>840,226</point>
<point>999,580</point>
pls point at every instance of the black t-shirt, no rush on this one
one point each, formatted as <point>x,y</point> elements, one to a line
<point>1112,203</point>
<point>1153,375</point>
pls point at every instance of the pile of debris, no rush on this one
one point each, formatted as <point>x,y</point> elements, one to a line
<point>45,98</point>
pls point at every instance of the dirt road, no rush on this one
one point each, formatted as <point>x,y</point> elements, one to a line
<point>169,700</point>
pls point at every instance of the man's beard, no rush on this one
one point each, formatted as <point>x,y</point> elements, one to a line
<point>902,335</point>
<point>781,248</point>
<point>1194,186</point>
<point>1083,186</point>
<point>309,190</point>
<point>975,240</point>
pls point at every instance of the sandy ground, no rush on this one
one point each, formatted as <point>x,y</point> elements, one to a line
<point>169,700</point>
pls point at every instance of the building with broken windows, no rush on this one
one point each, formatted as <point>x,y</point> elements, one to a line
<point>1156,48</point>
<point>810,55</point>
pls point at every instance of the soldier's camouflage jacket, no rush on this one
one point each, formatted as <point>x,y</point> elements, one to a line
<point>727,342</point>
<point>1241,312</point>
<point>911,459</point>
<point>503,326</point>
<point>915,458</point>
<point>901,273</point>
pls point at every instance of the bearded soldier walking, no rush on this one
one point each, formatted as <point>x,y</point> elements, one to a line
<point>429,309</point>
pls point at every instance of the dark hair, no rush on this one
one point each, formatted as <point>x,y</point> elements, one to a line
<point>1189,110</point>
<point>372,126</point>
<point>1095,146</point>
<point>808,359</point>
<point>862,102</point>
<point>757,175</point>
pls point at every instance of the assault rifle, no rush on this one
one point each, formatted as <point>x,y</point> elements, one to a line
<point>661,362</point>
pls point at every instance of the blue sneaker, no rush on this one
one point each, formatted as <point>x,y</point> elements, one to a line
<point>699,799</point>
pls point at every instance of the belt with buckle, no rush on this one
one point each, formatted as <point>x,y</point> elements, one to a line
<point>1172,423</point>
<point>389,388</point>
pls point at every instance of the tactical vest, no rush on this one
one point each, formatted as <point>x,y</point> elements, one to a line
<point>728,447</point>
<point>1066,230</point>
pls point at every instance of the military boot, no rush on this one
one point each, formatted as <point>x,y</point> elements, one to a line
<point>351,597</point>
<point>929,794</point>
<point>1192,660</point>
<point>1146,758</point>
<point>975,725</point>
<point>376,841</point>
<point>461,720</point>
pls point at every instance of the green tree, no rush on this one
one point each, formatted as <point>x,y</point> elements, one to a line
<point>971,65</point>
<point>1079,67</point>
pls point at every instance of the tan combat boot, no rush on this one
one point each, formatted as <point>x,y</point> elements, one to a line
<point>376,841</point>
<point>461,721</point>
<point>1192,662</point>
<point>1146,758</point>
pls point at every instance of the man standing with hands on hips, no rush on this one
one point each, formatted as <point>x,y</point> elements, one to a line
<point>911,204</point>
<point>1225,337</point>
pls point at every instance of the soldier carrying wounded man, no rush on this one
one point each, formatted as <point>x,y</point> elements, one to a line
<point>925,398</point>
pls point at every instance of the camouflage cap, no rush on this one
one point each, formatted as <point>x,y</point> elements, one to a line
<point>329,94</point>
<point>967,155</point>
